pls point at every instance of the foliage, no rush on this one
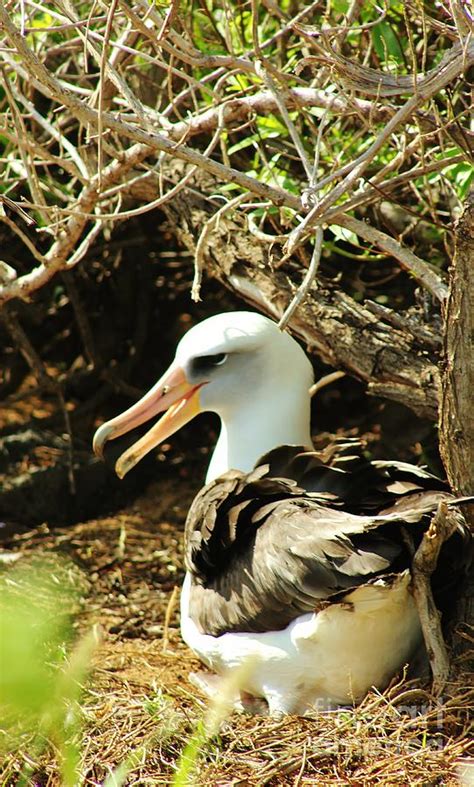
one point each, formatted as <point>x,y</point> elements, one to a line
<point>284,116</point>
<point>42,673</point>
<point>291,96</point>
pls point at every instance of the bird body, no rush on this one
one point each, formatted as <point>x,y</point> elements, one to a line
<point>298,568</point>
<point>321,659</point>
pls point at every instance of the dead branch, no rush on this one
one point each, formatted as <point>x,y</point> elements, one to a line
<point>453,64</point>
<point>303,290</point>
<point>239,109</point>
<point>419,269</point>
<point>139,123</point>
<point>441,528</point>
<point>370,81</point>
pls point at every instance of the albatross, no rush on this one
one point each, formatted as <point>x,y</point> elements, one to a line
<point>297,562</point>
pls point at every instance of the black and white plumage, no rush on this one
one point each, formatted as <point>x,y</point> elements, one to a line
<point>299,567</point>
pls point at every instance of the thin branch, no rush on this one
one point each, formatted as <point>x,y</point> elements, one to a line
<point>304,287</point>
<point>442,526</point>
<point>328,379</point>
<point>452,65</point>
<point>238,109</point>
<point>265,237</point>
<point>185,94</point>
<point>29,220</point>
<point>103,64</point>
<point>277,95</point>
<point>153,141</point>
<point>418,268</point>
<point>171,144</point>
<point>59,255</point>
<point>62,140</point>
<point>30,171</point>
<point>202,240</point>
<point>163,198</point>
<point>370,194</point>
<point>81,251</point>
<point>24,237</point>
<point>109,70</point>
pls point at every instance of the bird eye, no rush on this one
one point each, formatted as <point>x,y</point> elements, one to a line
<point>217,359</point>
<point>204,363</point>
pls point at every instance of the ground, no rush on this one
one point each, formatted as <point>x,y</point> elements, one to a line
<point>139,709</point>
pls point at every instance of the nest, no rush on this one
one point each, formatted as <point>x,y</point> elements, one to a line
<point>137,710</point>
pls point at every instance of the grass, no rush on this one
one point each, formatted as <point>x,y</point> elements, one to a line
<point>125,712</point>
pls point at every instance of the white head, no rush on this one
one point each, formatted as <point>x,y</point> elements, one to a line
<point>239,365</point>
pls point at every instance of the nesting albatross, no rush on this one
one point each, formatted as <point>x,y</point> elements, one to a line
<point>296,561</point>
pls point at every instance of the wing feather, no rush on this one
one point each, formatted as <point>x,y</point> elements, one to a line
<point>263,549</point>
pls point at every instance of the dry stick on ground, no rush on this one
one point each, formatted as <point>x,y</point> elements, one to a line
<point>170,609</point>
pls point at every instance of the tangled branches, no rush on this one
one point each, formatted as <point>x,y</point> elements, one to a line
<point>278,108</point>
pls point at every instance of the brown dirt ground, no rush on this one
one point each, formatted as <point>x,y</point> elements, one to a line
<point>139,707</point>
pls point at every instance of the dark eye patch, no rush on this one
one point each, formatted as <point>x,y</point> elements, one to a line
<point>204,363</point>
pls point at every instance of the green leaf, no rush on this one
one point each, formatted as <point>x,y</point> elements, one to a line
<point>386,43</point>
<point>343,235</point>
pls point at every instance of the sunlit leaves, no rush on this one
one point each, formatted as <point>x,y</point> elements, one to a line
<point>41,670</point>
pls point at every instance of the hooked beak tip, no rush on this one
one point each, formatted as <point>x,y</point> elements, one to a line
<point>100,439</point>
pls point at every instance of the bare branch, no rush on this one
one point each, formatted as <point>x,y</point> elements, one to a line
<point>260,69</point>
<point>454,63</point>
<point>441,528</point>
<point>202,240</point>
<point>308,280</point>
<point>328,379</point>
<point>419,269</point>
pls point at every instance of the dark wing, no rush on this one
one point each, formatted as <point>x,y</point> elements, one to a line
<point>262,550</point>
<point>342,469</point>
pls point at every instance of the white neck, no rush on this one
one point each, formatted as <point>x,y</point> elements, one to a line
<point>257,426</point>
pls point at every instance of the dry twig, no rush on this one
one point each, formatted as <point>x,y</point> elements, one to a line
<point>442,526</point>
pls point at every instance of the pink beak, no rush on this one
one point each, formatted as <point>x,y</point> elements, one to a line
<point>173,394</point>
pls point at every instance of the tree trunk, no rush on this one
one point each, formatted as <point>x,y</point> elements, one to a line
<point>456,423</point>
